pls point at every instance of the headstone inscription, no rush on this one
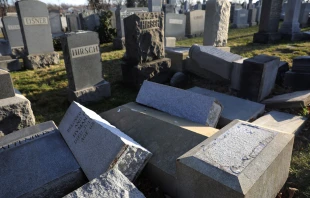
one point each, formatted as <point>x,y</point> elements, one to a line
<point>241,19</point>
<point>43,155</point>
<point>98,146</point>
<point>86,84</point>
<point>269,22</point>
<point>15,109</point>
<point>144,33</point>
<point>36,30</point>
<point>224,164</point>
<point>216,23</point>
<point>195,23</point>
<point>175,25</point>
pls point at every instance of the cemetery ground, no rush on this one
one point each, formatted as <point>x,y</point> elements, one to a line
<point>46,89</point>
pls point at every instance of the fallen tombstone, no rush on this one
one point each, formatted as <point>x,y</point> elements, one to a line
<point>110,184</point>
<point>236,73</point>
<point>177,56</point>
<point>298,99</point>
<point>185,104</point>
<point>15,109</point>
<point>241,160</point>
<point>231,107</point>
<point>214,59</point>
<point>98,146</point>
<point>36,162</point>
<point>284,122</point>
<point>166,136</point>
<point>258,77</point>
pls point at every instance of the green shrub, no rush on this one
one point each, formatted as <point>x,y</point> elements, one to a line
<point>105,30</point>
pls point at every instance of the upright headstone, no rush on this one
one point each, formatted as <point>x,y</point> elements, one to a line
<point>258,13</point>
<point>36,30</point>
<point>144,34</point>
<point>175,25</point>
<point>154,5</point>
<point>216,23</point>
<point>55,22</point>
<point>304,15</point>
<point>252,17</point>
<point>258,77</point>
<point>290,27</point>
<point>233,8</point>
<point>269,22</point>
<point>98,146</point>
<point>241,160</point>
<point>195,23</point>
<point>15,109</point>
<point>169,8</point>
<point>64,25</point>
<point>86,84</point>
<point>241,18</point>
<point>250,5</point>
<point>42,154</point>
<point>73,22</point>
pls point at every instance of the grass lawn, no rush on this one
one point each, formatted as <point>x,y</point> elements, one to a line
<point>46,89</point>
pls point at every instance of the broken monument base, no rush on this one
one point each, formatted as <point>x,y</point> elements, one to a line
<point>34,61</point>
<point>18,52</point>
<point>15,114</point>
<point>119,43</point>
<point>155,71</point>
<point>90,94</point>
<point>266,38</point>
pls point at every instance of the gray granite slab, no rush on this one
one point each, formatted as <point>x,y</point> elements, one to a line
<point>73,22</point>
<point>233,107</point>
<point>12,30</point>
<point>175,25</point>
<point>241,18</point>
<point>54,17</point>
<point>42,155</point>
<point>154,5</point>
<point>110,184</point>
<point>98,146</point>
<point>195,23</point>
<point>241,160</point>
<point>296,99</point>
<point>35,26</point>
<point>6,85</point>
<point>185,104</point>
<point>283,122</point>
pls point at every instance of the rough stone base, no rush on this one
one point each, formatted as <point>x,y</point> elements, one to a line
<point>15,114</point>
<point>90,94</point>
<point>156,71</point>
<point>10,64</point>
<point>34,61</point>
<point>297,81</point>
<point>18,52</point>
<point>266,37</point>
<point>119,43</point>
<point>240,26</point>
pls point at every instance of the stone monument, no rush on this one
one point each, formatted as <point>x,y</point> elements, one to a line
<point>154,5</point>
<point>216,23</point>
<point>195,23</point>
<point>84,68</point>
<point>144,33</point>
<point>36,30</point>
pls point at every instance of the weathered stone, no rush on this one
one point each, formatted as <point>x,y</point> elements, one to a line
<point>284,122</point>
<point>241,19</point>
<point>144,35</point>
<point>110,184</point>
<point>216,23</point>
<point>34,61</point>
<point>298,99</point>
<point>175,25</point>
<point>45,159</point>
<point>54,17</point>
<point>98,146</point>
<point>10,65</point>
<point>156,71</point>
<point>170,41</point>
<point>297,81</point>
<point>73,22</point>
<point>213,59</point>
<point>231,107</point>
<point>177,56</point>
<point>241,160</point>
<point>258,77</point>
<point>154,5</point>
<point>195,23</point>
<point>6,85</point>
<point>18,52</point>
<point>162,134</point>
<point>269,22</point>
<point>12,31</point>
<point>195,107</point>
<point>179,80</point>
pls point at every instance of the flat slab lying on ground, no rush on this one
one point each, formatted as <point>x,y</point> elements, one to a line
<point>233,107</point>
<point>296,99</point>
<point>283,122</point>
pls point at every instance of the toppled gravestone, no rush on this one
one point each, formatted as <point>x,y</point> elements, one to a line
<point>144,35</point>
<point>298,99</point>
<point>15,109</point>
<point>36,162</point>
<point>98,146</point>
<point>110,184</point>
<point>181,103</point>
<point>241,160</point>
